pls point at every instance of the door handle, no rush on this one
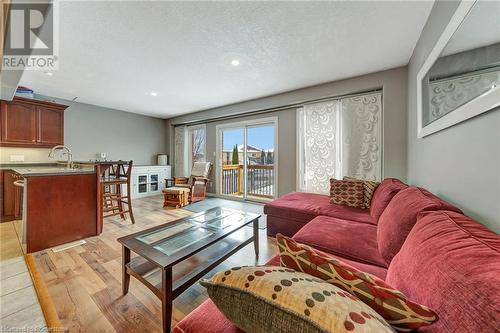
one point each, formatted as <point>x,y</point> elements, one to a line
<point>19,183</point>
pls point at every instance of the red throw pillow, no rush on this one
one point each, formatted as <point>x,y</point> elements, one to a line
<point>401,313</point>
<point>346,193</point>
<point>369,187</point>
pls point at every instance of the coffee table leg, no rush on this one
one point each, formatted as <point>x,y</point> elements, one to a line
<point>125,275</point>
<point>256,237</point>
<point>167,298</point>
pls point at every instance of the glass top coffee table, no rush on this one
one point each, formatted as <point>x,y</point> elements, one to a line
<point>173,256</point>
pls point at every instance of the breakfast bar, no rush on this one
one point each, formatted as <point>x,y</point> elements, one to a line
<point>59,204</point>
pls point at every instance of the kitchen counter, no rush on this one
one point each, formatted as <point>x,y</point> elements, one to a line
<point>45,169</point>
<point>59,205</point>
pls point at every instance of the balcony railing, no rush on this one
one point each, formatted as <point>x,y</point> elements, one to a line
<point>260,180</point>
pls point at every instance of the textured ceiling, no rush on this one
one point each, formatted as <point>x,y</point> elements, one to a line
<point>114,54</point>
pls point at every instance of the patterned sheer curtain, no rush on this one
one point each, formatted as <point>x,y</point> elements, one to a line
<point>181,152</point>
<point>362,137</point>
<point>318,145</point>
<point>339,138</point>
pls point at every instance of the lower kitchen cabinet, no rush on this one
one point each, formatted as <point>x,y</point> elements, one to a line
<point>149,180</point>
<point>7,195</point>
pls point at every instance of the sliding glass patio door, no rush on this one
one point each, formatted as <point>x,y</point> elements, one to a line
<point>232,158</point>
<point>260,162</point>
<point>247,156</point>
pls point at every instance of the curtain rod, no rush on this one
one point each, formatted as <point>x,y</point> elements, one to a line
<point>276,108</point>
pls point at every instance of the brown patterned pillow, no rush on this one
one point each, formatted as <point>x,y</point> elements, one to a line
<point>403,314</point>
<point>369,187</point>
<point>267,299</point>
<point>346,192</point>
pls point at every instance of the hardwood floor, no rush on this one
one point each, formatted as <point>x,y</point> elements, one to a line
<point>85,281</point>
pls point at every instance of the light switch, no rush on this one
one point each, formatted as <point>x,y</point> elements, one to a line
<point>17,158</point>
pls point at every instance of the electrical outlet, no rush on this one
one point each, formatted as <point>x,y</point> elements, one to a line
<point>17,158</point>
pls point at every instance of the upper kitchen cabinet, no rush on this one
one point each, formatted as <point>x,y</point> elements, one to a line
<point>50,126</point>
<point>31,123</point>
<point>18,123</point>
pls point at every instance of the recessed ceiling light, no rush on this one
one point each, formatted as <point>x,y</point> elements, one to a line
<point>49,73</point>
<point>153,93</point>
<point>235,62</point>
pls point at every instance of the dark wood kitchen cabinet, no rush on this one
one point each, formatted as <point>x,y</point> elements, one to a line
<point>31,123</point>
<point>50,126</point>
<point>7,195</point>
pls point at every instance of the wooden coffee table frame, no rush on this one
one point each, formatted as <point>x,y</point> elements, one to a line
<point>155,269</point>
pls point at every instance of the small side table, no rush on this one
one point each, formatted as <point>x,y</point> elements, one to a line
<point>176,196</point>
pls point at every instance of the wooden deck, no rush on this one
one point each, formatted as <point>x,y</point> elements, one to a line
<point>85,281</point>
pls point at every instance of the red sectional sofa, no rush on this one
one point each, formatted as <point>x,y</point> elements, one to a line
<point>415,241</point>
<point>291,212</point>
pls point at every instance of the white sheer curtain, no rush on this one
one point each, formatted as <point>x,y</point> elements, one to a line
<point>339,138</point>
<point>362,137</point>
<point>181,157</point>
<point>318,145</point>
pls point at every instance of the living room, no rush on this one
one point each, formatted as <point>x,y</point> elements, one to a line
<point>196,167</point>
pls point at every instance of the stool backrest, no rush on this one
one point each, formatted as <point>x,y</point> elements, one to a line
<point>116,170</point>
<point>122,169</point>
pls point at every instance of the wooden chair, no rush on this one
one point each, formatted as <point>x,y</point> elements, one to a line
<point>115,177</point>
<point>197,182</point>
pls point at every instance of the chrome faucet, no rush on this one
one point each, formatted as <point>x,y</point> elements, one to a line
<point>69,162</point>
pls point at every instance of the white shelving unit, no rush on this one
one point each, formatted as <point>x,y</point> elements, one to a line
<point>149,180</point>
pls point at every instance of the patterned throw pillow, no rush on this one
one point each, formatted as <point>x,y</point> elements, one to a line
<point>403,314</point>
<point>347,193</point>
<point>267,299</point>
<point>368,190</point>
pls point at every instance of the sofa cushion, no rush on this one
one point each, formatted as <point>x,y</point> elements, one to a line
<point>383,194</point>
<point>452,264</point>
<point>378,271</point>
<point>300,208</point>
<point>346,192</point>
<point>206,318</point>
<point>400,216</point>
<point>369,188</point>
<point>348,239</point>
<point>390,303</point>
<point>276,299</point>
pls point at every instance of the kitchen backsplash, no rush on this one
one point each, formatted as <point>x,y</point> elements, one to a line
<point>30,155</point>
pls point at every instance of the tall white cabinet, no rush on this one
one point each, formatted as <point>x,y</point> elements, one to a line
<point>149,180</point>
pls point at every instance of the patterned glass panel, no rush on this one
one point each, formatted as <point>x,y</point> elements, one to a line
<point>318,145</point>
<point>362,137</point>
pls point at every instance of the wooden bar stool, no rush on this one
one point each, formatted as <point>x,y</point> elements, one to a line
<point>114,179</point>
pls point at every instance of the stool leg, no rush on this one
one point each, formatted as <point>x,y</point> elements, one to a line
<point>103,200</point>
<point>118,190</point>
<point>129,202</point>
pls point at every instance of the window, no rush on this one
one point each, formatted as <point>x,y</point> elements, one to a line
<point>197,143</point>
<point>339,138</point>
<point>190,147</point>
<point>247,158</point>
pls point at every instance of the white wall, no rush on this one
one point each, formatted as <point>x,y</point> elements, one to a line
<point>393,82</point>
<point>461,163</point>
